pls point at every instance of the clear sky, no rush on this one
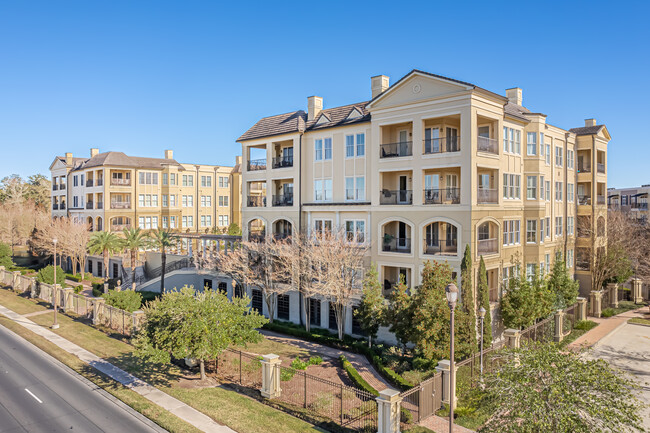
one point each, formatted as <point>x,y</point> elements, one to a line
<point>192,76</point>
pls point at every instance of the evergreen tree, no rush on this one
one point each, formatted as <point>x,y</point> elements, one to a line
<point>466,319</point>
<point>562,285</point>
<point>371,310</point>
<point>398,316</point>
<point>525,301</point>
<point>484,301</point>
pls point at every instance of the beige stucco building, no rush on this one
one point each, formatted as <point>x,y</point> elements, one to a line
<point>423,168</point>
<point>632,201</point>
<point>112,191</point>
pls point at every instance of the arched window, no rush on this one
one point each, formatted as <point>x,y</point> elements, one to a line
<point>440,238</point>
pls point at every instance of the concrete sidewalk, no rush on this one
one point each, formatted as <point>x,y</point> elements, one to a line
<point>605,327</point>
<point>167,402</point>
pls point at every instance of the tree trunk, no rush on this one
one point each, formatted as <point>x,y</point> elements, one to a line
<point>133,256</point>
<point>270,305</point>
<point>305,302</point>
<point>106,265</point>
<point>369,341</point>
<point>340,319</point>
<point>202,364</point>
<point>163,260</point>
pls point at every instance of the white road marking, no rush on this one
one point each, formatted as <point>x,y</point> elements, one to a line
<point>32,394</point>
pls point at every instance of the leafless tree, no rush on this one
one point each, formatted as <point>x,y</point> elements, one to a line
<point>19,219</point>
<point>72,237</point>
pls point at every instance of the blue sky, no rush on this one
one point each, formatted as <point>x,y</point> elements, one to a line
<point>192,76</point>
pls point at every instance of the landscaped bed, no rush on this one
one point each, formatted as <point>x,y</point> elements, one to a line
<point>623,307</point>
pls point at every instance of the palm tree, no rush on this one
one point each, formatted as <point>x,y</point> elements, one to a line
<point>134,240</point>
<point>104,243</point>
<point>163,239</point>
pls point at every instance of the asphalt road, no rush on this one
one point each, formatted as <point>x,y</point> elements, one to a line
<point>39,394</point>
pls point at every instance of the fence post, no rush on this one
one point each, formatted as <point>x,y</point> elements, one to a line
<point>32,289</point>
<point>14,280</point>
<point>68,301</point>
<point>98,310</point>
<point>2,275</point>
<point>581,309</point>
<point>136,319</point>
<point>388,411</point>
<point>637,290</point>
<point>596,303</point>
<point>559,325</point>
<point>444,368</point>
<point>105,287</point>
<point>513,338</point>
<point>612,289</point>
<point>271,376</point>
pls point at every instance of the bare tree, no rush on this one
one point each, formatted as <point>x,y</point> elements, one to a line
<point>72,237</point>
<point>19,219</point>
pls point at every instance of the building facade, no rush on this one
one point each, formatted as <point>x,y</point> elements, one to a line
<point>631,201</point>
<point>112,191</point>
<point>425,167</point>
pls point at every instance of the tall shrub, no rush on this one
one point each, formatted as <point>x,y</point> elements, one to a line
<point>398,316</point>
<point>371,309</point>
<point>466,323</point>
<point>484,301</point>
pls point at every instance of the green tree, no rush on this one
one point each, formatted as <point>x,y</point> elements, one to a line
<point>5,255</point>
<point>483,295</point>
<point>162,240</point>
<point>134,240</point>
<point>562,285</point>
<point>184,324</point>
<point>466,321</point>
<point>38,189</point>
<point>106,244</point>
<point>543,389</point>
<point>234,229</point>
<point>127,300</point>
<point>46,275</point>
<point>399,313</point>
<point>526,300</point>
<point>431,312</point>
<point>371,309</point>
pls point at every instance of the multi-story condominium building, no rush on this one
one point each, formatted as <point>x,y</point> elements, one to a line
<point>425,167</point>
<point>632,201</point>
<point>112,191</point>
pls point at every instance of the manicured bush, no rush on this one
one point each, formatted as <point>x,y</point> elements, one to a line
<point>98,288</point>
<point>127,300</point>
<point>5,256</point>
<point>405,416</point>
<point>148,296</point>
<point>422,364</point>
<point>297,364</point>
<point>287,374</point>
<point>315,360</point>
<point>78,289</point>
<point>608,312</point>
<point>585,325</point>
<point>355,377</point>
<point>46,275</point>
<point>75,278</point>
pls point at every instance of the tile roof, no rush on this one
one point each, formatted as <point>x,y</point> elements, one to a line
<point>122,160</point>
<point>587,130</point>
<point>516,110</point>
<point>297,121</point>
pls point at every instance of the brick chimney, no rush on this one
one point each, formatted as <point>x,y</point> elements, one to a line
<point>590,122</point>
<point>94,151</point>
<point>515,96</point>
<point>169,154</point>
<point>314,107</point>
<point>379,84</point>
<point>68,158</point>
<point>238,159</point>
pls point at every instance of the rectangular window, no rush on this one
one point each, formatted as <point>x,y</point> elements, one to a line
<point>349,188</point>
<point>530,271</point>
<point>154,223</point>
<point>531,143</point>
<point>548,190</point>
<point>154,200</point>
<point>505,185</point>
<point>531,187</point>
<point>165,222</point>
<point>569,258</point>
<point>541,143</point>
<point>506,148</point>
<point>360,190</point>
<point>141,222</point>
<point>223,181</point>
<point>327,190</point>
<point>206,181</point>
<point>548,227</point>
<point>328,148</point>
<point>558,226</point>
<point>558,191</point>
<point>541,187</point>
<point>518,142</point>
<point>548,263</point>
<point>569,159</point>
<point>283,307</point>
<point>318,190</point>
<point>165,179</point>
<point>190,180</point>
<point>531,231</point>
<point>569,226</point>
<point>75,181</point>
<point>548,154</point>
<point>511,234</point>
<point>148,178</point>
<point>318,149</point>
<point>184,180</point>
<point>361,144</point>
<point>165,200</point>
<point>541,230</point>
<point>172,222</point>
<point>172,200</point>
<point>558,156</point>
<point>141,179</point>
<point>141,200</point>
<point>355,230</point>
<point>322,226</point>
<point>349,146</point>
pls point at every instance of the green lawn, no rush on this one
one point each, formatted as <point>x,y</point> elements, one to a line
<point>623,306</point>
<point>581,327</point>
<point>639,321</point>
<point>19,304</point>
<point>239,412</point>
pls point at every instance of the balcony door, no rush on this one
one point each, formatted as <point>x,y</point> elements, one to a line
<point>432,140</point>
<point>432,188</point>
<point>403,194</point>
<point>287,155</point>
<point>401,236</point>
<point>452,140</point>
<point>403,136</point>
<point>288,193</point>
<point>452,185</point>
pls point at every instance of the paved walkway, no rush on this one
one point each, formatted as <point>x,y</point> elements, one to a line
<point>605,327</point>
<point>441,425</point>
<point>167,402</point>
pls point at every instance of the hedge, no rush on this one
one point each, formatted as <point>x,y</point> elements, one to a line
<point>75,278</point>
<point>326,338</point>
<point>355,377</point>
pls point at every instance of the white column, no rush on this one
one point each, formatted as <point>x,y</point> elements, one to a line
<point>388,411</point>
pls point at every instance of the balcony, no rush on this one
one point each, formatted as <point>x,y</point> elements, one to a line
<point>256,237</point>
<point>396,245</point>
<point>441,145</point>
<point>640,206</point>
<point>256,164</point>
<point>582,265</point>
<point>399,197</point>
<point>395,150</point>
<point>100,205</point>
<point>120,227</point>
<point>55,206</point>
<point>62,206</point>
<point>601,199</point>
<point>283,200</point>
<point>256,201</point>
<point>100,182</point>
<point>487,246</point>
<point>282,162</point>
<point>120,182</point>
<point>442,196</point>
<point>89,205</point>
<point>600,167</point>
<point>55,187</point>
<point>488,145</point>
<point>89,183</point>
<point>120,205</point>
<point>487,196</point>
<point>584,200</point>
<point>281,236</point>
<point>583,168</point>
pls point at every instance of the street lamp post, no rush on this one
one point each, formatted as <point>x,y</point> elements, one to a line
<point>55,325</point>
<point>452,296</point>
<point>481,314</point>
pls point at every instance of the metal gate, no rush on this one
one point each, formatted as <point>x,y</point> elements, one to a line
<point>424,399</point>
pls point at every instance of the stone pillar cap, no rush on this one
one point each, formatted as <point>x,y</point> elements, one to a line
<point>511,331</point>
<point>581,299</point>
<point>270,357</point>
<point>388,394</point>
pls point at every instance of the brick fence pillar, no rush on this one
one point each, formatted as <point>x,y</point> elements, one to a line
<point>98,310</point>
<point>137,317</point>
<point>637,290</point>
<point>513,338</point>
<point>33,288</point>
<point>444,368</point>
<point>612,292</point>
<point>68,304</point>
<point>559,326</point>
<point>105,287</point>
<point>15,277</point>
<point>388,411</point>
<point>581,309</point>
<point>271,376</point>
<point>596,303</point>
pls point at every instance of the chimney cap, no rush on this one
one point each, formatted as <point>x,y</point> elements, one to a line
<point>590,122</point>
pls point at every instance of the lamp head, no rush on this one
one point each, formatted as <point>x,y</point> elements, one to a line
<point>452,294</point>
<point>54,241</point>
<point>481,312</point>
